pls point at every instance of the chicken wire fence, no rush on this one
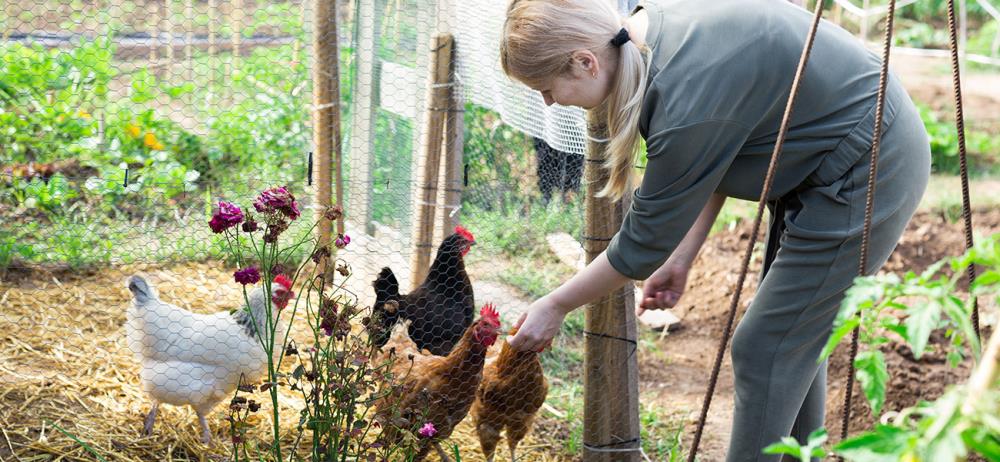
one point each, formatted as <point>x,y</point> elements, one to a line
<point>124,123</point>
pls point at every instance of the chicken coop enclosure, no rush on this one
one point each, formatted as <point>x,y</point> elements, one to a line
<point>128,124</point>
<point>214,149</point>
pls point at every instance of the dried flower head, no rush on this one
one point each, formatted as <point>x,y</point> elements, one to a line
<point>343,270</point>
<point>249,275</point>
<point>225,217</point>
<point>277,200</point>
<point>250,225</point>
<point>333,213</point>
<point>320,254</point>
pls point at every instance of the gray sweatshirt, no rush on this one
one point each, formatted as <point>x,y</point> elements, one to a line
<point>719,77</point>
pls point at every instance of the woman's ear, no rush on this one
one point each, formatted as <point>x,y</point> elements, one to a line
<point>585,62</point>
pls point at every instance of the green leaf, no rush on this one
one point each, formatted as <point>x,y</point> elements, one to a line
<point>838,334</point>
<point>922,319</point>
<point>883,444</point>
<point>872,375</point>
<point>788,445</point>
<point>983,443</point>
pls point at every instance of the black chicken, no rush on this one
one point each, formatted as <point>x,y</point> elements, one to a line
<point>440,310</point>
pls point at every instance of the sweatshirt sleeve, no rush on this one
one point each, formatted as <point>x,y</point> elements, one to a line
<point>685,166</point>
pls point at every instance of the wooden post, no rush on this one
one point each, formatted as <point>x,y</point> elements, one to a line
<point>154,31</point>
<point>168,26</point>
<point>189,24</point>
<point>610,365</point>
<point>363,112</point>
<point>427,187</point>
<point>451,196</point>
<point>326,113</point>
<point>236,18</point>
<point>213,18</point>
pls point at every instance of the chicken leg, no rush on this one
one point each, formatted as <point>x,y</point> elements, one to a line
<point>206,434</point>
<point>147,428</point>
<point>441,453</point>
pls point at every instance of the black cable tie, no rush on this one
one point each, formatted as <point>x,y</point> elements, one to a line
<point>310,173</point>
<point>458,190</point>
<point>598,239</point>
<point>634,343</point>
<point>425,246</point>
<point>611,445</point>
<point>125,183</point>
<point>465,175</point>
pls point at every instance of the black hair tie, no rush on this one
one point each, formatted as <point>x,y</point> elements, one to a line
<point>621,38</point>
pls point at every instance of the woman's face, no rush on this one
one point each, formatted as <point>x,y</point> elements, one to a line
<point>586,84</point>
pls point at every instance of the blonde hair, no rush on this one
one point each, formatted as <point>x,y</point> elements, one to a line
<point>539,38</point>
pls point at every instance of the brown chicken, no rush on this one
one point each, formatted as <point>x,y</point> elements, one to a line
<point>436,390</point>
<point>512,391</point>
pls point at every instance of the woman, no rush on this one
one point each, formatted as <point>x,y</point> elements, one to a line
<point>705,84</point>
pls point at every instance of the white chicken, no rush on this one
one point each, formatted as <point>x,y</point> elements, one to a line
<point>194,359</point>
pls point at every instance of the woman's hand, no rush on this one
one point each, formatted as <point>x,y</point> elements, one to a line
<point>537,327</point>
<point>663,289</point>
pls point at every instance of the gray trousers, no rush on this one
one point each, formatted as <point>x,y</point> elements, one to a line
<point>780,388</point>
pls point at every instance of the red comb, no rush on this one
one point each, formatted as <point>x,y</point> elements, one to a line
<point>464,233</point>
<point>283,280</point>
<point>489,311</point>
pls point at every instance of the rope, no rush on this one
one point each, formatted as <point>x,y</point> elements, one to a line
<point>964,166</point>
<point>765,192</point>
<point>869,209</point>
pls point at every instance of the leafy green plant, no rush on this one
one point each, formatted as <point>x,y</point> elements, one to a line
<point>805,453</point>
<point>961,422</point>
<point>49,195</point>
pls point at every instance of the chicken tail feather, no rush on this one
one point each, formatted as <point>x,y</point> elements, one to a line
<point>386,285</point>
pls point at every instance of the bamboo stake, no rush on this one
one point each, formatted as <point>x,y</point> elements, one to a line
<point>168,26</point>
<point>985,377</point>
<point>189,39</point>
<point>610,363</point>
<point>451,196</point>
<point>363,114</point>
<point>326,118</point>
<point>437,97</point>
<point>236,17</point>
<point>213,18</point>
<point>154,32</point>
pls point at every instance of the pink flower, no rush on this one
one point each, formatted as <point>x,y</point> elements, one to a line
<point>277,200</point>
<point>427,430</point>
<point>227,216</point>
<point>281,291</point>
<point>342,241</point>
<point>250,275</point>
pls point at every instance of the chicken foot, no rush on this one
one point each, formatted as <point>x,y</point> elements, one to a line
<point>206,434</point>
<point>441,453</point>
<point>147,428</point>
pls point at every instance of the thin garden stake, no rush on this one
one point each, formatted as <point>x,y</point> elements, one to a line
<point>964,166</point>
<point>869,208</point>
